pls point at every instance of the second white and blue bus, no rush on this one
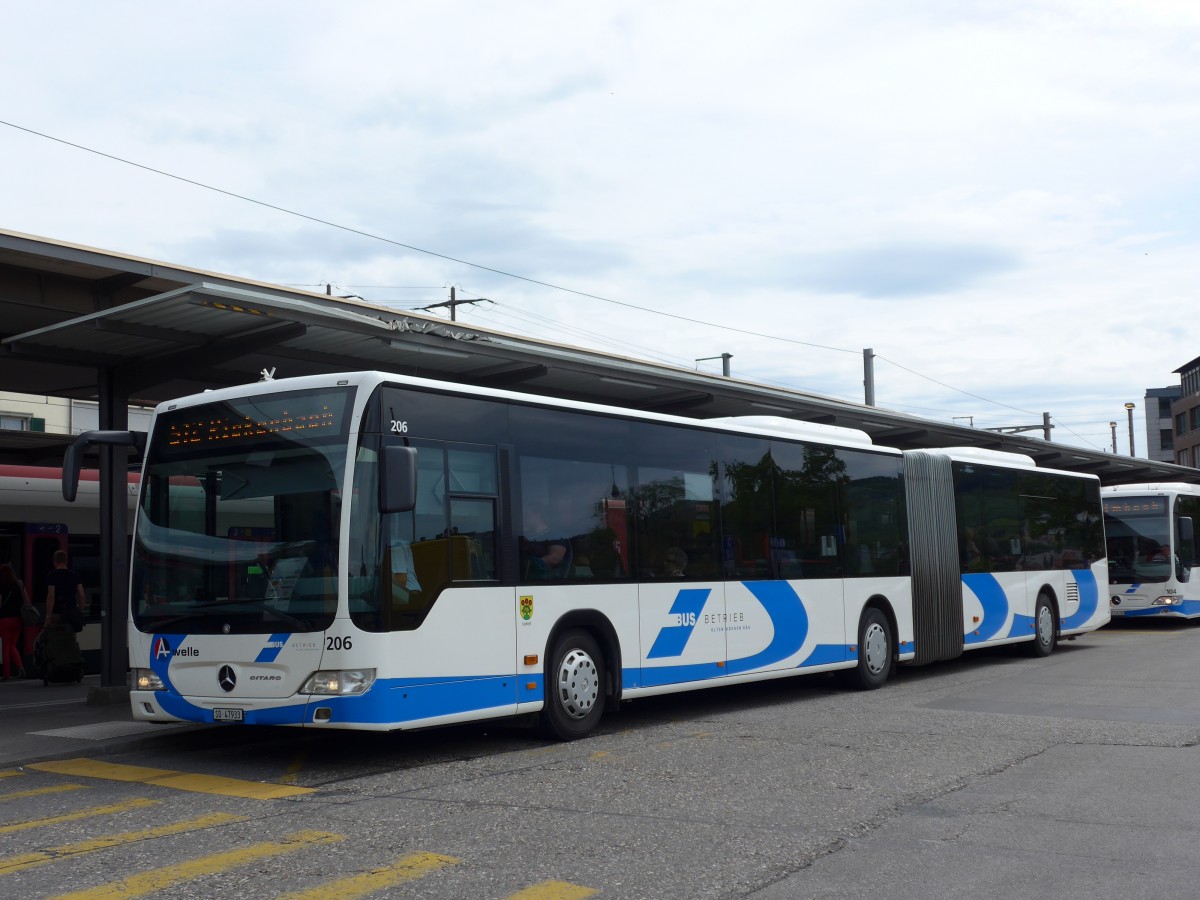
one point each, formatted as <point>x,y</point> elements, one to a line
<point>1151,545</point>
<point>371,551</point>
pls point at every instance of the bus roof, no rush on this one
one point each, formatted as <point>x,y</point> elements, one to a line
<point>983,455</point>
<point>1160,487</point>
<point>776,426</point>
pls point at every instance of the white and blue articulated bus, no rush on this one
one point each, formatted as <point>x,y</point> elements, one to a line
<point>1151,541</point>
<point>372,551</point>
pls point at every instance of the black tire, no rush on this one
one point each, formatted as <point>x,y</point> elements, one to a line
<point>875,658</point>
<point>1045,628</point>
<point>574,687</point>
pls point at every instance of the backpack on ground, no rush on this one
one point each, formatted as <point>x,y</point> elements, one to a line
<point>58,656</point>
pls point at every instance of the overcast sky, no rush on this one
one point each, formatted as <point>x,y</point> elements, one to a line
<point>999,198</point>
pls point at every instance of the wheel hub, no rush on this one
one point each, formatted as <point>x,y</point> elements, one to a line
<point>578,684</point>
<point>1045,625</point>
<point>875,649</point>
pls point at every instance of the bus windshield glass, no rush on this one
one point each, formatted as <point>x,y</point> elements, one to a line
<point>1138,533</point>
<point>237,531</point>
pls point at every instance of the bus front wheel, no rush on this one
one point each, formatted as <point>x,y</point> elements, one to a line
<point>574,687</point>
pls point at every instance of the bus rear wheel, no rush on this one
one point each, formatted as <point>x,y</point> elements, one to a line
<point>874,652</point>
<point>574,700</point>
<point>1045,635</point>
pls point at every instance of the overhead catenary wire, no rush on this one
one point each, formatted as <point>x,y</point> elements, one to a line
<point>503,310</point>
<point>378,237</point>
<point>459,261</point>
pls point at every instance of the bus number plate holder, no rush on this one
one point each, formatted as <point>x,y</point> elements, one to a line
<point>225,714</point>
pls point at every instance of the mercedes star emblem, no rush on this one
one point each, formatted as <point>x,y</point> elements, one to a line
<point>227,679</point>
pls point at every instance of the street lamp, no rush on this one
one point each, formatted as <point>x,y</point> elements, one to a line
<point>1113,427</point>
<point>724,358</point>
<point>1129,409</point>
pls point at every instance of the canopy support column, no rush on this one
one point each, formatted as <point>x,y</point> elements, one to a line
<point>114,545</point>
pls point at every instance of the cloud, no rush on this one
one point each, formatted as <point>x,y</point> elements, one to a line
<point>843,175</point>
<point>902,269</point>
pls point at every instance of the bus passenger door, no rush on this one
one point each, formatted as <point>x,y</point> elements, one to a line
<point>444,583</point>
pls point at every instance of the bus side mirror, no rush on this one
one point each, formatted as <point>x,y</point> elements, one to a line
<point>73,459</point>
<point>398,479</point>
<point>1187,534</point>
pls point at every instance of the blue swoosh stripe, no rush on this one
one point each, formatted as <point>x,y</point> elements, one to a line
<point>1022,626</point>
<point>788,618</point>
<point>269,652</point>
<point>824,654</point>
<point>1089,599</point>
<point>995,606</point>
<point>672,639</point>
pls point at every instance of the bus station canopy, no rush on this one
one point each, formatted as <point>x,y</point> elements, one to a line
<point>78,322</point>
<point>81,323</point>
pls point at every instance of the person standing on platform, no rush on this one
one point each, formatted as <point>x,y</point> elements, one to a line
<point>12,600</point>
<point>64,593</point>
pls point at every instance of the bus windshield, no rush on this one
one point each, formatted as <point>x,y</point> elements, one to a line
<point>1138,532</point>
<point>238,525</point>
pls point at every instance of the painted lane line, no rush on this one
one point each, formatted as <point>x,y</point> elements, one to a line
<point>158,879</point>
<point>37,792</point>
<point>180,781</point>
<point>554,890</point>
<point>11,864</point>
<point>410,867</point>
<point>294,769</point>
<point>125,806</point>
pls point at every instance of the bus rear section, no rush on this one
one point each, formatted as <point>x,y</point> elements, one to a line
<point>1002,552</point>
<point>1152,551</point>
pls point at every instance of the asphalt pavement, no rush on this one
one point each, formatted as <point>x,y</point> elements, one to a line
<point>40,722</point>
<point>993,776</point>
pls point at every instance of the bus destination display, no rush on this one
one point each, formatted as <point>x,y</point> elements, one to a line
<point>304,416</point>
<point>1145,506</point>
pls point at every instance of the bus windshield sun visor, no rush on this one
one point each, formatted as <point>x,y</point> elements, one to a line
<point>73,459</point>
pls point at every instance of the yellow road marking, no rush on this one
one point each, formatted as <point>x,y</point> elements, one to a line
<point>553,890</point>
<point>24,861</point>
<point>124,806</point>
<point>294,769</point>
<point>10,773</point>
<point>180,781</point>
<point>37,792</point>
<point>405,869</point>
<point>155,880</point>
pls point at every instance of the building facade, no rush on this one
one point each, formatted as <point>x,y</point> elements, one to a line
<point>1185,414</point>
<point>58,415</point>
<point>1160,424</point>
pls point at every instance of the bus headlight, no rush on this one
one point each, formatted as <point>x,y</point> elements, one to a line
<point>339,682</point>
<point>1173,600</point>
<point>146,680</point>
